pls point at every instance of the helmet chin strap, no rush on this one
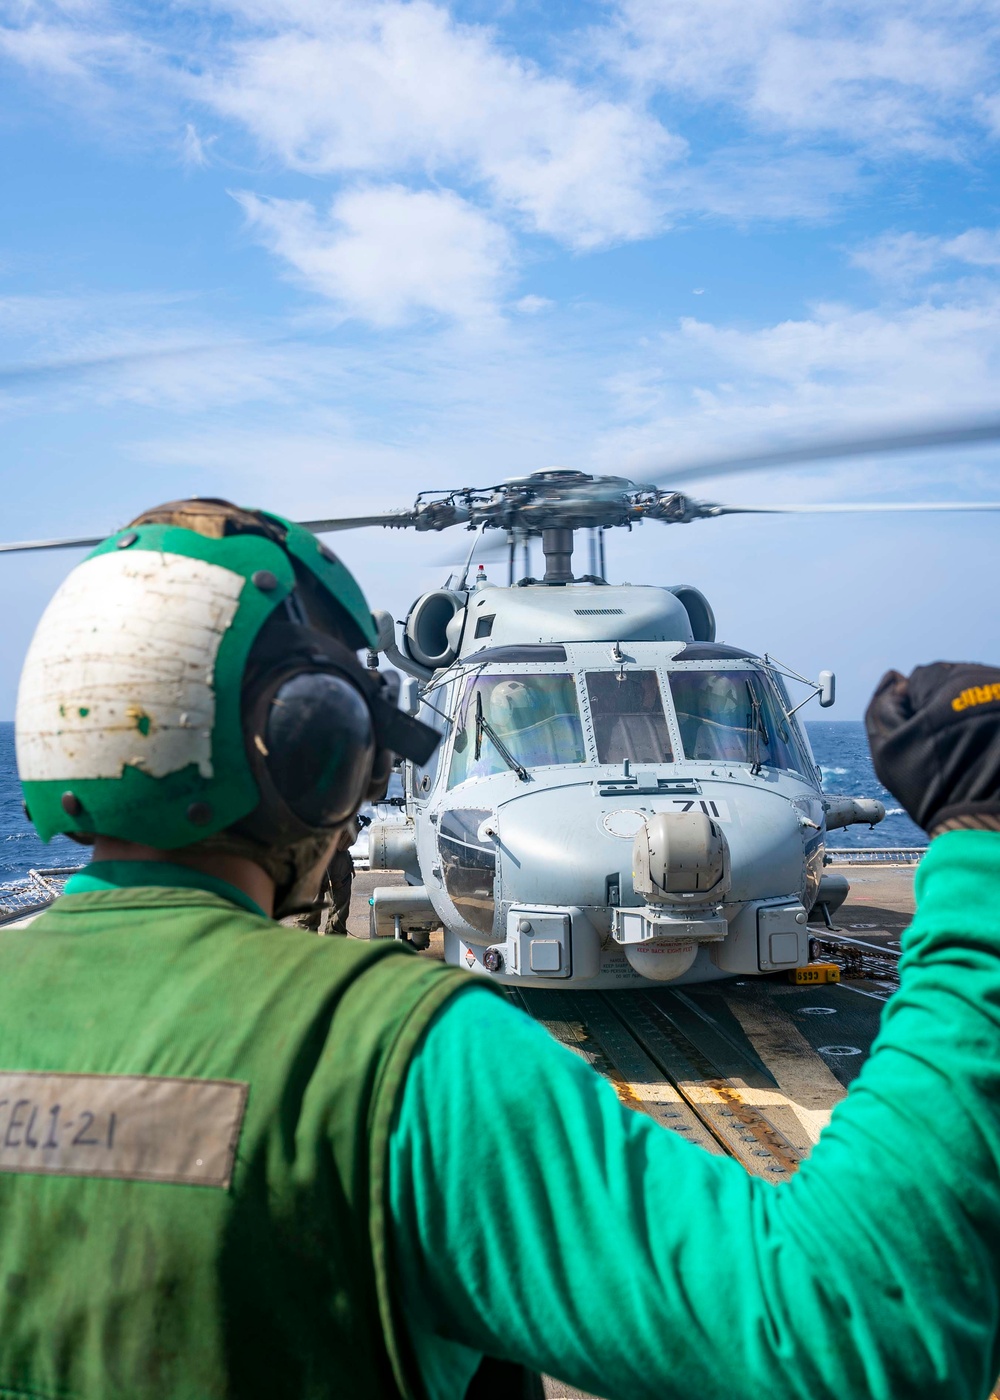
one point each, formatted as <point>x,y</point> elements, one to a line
<point>296,869</point>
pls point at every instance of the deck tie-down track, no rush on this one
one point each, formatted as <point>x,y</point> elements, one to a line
<point>858,958</point>
<point>666,1058</point>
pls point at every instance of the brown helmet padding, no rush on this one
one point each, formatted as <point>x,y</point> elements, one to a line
<point>216,519</point>
<point>213,518</point>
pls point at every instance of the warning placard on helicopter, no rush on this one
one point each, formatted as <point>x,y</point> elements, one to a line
<point>711,806</point>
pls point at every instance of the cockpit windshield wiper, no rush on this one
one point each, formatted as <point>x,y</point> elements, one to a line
<point>757,728</point>
<point>483,726</point>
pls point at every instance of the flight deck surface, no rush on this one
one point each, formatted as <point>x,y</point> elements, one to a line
<point>750,1067</point>
<point>761,1024</point>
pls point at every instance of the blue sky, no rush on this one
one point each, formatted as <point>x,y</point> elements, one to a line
<point>317,255</point>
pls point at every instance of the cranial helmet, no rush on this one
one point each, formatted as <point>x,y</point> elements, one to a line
<point>725,697</point>
<point>195,680</point>
<point>514,705</point>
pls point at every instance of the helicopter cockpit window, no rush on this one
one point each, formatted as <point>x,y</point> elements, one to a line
<point>627,711</point>
<point>535,717</point>
<point>735,716</point>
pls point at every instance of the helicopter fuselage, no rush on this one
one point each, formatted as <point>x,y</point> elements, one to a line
<point>570,718</point>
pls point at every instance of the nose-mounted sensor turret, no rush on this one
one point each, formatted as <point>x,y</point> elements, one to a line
<point>681,868</point>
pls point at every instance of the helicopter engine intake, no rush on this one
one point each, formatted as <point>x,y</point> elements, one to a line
<point>698,609</point>
<point>434,628</point>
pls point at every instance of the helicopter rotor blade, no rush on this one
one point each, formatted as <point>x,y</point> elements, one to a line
<point>399,518</point>
<point>24,546</point>
<point>485,552</point>
<point>318,527</point>
<point>852,506</point>
<point>74,366</point>
<point>955,434</point>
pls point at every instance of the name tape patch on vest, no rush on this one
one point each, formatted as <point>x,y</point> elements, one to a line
<point>130,1126</point>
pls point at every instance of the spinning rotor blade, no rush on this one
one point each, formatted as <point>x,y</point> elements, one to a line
<point>26,545</point>
<point>866,445</point>
<point>873,506</point>
<point>484,553</point>
<point>359,522</point>
<point>70,366</point>
<point>318,527</point>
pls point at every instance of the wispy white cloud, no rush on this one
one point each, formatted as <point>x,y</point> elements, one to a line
<point>531,305</point>
<point>195,147</point>
<point>586,150</point>
<point>386,254</point>
<point>953,348</point>
<point>910,257</point>
<point>440,144</point>
<point>388,90</point>
<point>902,76</point>
<point>748,181</point>
<point>392,88</point>
<point>540,389</point>
<point>705,387</point>
<point>80,49</point>
<point>63,354</point>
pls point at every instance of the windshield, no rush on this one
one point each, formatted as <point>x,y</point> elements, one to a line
<point>735,716</point>
<point>536,719</point>
<point>423,776</point>
<point>629,723</point>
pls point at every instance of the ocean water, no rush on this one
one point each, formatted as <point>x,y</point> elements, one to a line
<point>20,848</point>
<point>841,750</point>
<point>839,745</point>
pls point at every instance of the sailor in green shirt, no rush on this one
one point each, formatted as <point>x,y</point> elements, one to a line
<point>233,1159</point>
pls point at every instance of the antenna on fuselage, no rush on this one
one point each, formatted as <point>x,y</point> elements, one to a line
<point>518,539</point>
<point>597,565</point>
<point>468,563</point>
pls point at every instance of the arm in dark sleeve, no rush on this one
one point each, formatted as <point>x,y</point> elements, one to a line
<point>537,1219</point>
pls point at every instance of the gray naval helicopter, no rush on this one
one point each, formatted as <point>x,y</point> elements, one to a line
<point>618,798</point>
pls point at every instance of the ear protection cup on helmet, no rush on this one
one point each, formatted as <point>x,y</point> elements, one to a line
<point>320,734</point>
<point>320,742</point>
<point>311,743</point>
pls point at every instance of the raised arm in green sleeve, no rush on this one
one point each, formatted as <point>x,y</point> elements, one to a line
<point>536,1219</point>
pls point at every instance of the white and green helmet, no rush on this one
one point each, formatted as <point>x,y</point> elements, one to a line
<point>129,713</point>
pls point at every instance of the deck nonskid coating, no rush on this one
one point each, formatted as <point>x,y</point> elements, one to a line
<point>765,1021</point>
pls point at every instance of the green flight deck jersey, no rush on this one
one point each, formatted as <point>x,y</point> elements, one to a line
<point>195,1106</point>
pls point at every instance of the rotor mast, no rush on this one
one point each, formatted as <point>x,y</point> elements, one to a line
<point>557,546</point>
